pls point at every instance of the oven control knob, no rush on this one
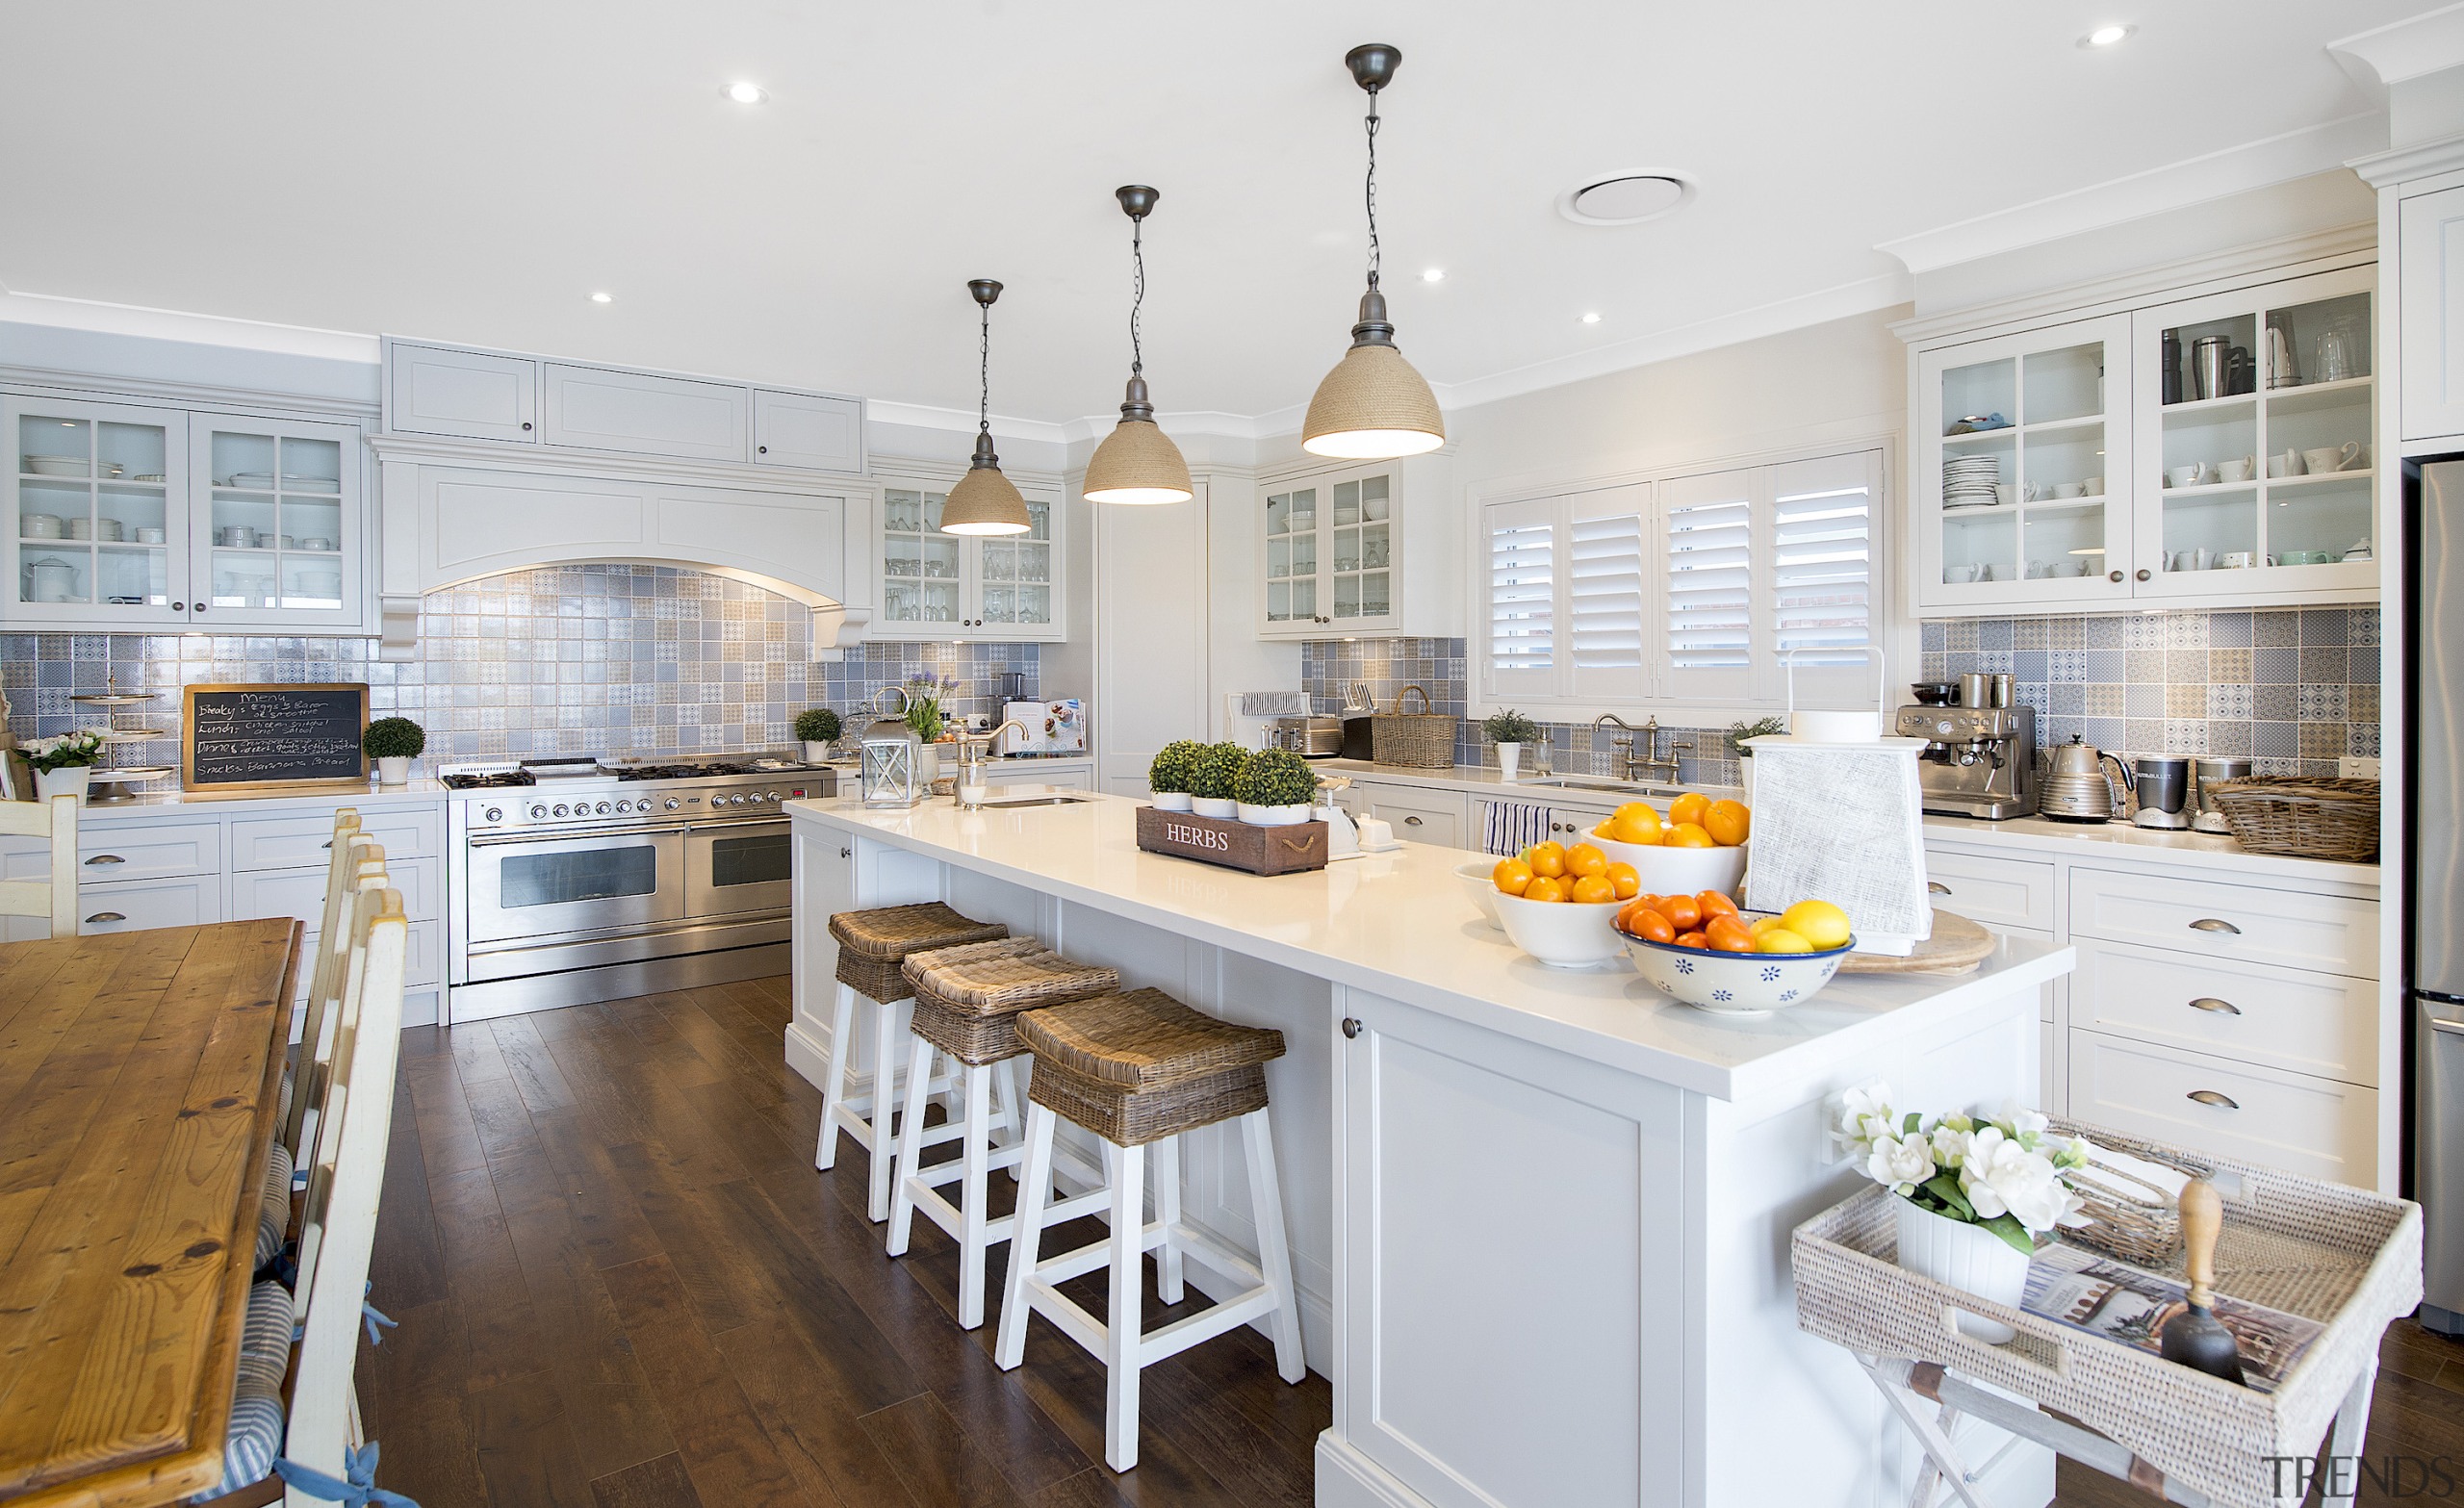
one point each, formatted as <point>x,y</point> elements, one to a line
<point>603,809</point>
<point>623,807</point>
<point>538,811</point>
<point>560,809</point>
<point>673,803</point>
<point>496,814</point>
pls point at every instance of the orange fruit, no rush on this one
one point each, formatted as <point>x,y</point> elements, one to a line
<point>1544,887</point>
<point>1592,890</point>
<point>1634,823</point>
<point>1511,876</point>
<point>1683,912</point>
<point>1688,834</point>
<point>1779,939</point>
<point>1688,808</point>
<point>1712,902</point>
<point>1601,831</point>
<point>1583,859</point>
<point>1644,922</point>
<point>1628,883</point>
<point>1693,939</point>
<point>1727,822</point>
<point>1728,935</point>
<point>1547,860</point>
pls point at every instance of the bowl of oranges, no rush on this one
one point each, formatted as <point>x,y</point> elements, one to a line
<point>1710,954</point>
<point>1478,878</point>
<point>1560,903</point>
<point>1701,845</point>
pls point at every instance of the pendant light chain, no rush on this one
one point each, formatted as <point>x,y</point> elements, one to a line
<point>1369,191</point>
<point>984,371</point>
<point>1138,297</point>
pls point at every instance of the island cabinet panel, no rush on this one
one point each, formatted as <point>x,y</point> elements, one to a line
<point>1470,1163</point>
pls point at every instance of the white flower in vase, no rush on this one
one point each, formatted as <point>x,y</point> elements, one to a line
<point>1900,1164</point>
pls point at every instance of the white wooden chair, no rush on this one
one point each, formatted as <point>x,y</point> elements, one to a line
<point>357,864</point>
<point>56,821</point>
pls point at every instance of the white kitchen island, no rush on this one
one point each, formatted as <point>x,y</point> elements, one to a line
<point>1540,1218</point>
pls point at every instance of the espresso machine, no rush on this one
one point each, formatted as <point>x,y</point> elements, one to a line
<point>1979,761</point>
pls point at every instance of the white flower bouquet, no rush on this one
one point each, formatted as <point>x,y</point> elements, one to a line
<point>2004,1173</point>
<point>64,751</point>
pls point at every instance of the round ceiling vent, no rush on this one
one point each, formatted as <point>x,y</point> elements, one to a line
<point>1627,198</point>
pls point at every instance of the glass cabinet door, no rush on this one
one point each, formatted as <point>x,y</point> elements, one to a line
<point>1292,556</point>
<point>919,563</point>
<point>275,537</point>
<point>1363,541</point>
<point>100,534</point>
<point>1015,573</point>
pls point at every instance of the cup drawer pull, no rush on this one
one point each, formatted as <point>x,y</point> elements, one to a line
<point>107,916</point>
<point>2211,1097</point>
<point>2211,924</point>
<point>1411,822</point>
<point>1937,888</point>
<point>2210,1003</point>
<point>105,858</point>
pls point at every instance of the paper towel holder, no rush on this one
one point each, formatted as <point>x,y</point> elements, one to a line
<point>1815,727</point>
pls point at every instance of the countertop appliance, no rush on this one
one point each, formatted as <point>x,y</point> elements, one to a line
<point>2075,789</point>
<point>1313,737</point>
<point>2435,815</point>
<point>2162,782</point>
<point>581,879</point>
<point>1977,762</point>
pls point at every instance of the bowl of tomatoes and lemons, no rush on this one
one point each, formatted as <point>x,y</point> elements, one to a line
<point>1709,953</point>
<point>1699,845</point>
<point>1560,903</point>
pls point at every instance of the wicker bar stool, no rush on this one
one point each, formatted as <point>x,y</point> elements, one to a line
<point>872,947</point>
<point>1140,1069</point>
<point>967,1000</point>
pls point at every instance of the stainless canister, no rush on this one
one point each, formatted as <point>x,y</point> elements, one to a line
<point>2001,689</point>
<point>1976,689</point>
<point>2211,363</point>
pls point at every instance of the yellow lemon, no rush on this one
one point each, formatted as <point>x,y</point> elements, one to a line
<point>1779,939</point>
<point>1818,922</point>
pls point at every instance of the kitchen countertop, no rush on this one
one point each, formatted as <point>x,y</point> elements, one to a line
<point>420,789</point>
<point>1399,925</point>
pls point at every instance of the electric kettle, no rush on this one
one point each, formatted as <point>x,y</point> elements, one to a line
<point>2076,790</point>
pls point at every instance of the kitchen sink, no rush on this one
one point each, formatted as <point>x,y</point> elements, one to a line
<point>1035,800</point>
<point>1590,783</point>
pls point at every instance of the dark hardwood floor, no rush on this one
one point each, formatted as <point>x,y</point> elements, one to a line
<point>620,1283</point>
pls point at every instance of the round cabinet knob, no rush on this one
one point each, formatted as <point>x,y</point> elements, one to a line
<point>495,814</point>
<point>525,424</point>
<point>761,450</point>
<point>2146,575</point>
<point>603,809</point>
<point>1352,1027</point>
<point>179,607</point>
<point>2114,577</point>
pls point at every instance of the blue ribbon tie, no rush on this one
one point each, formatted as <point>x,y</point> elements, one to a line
<point>356,1490</point>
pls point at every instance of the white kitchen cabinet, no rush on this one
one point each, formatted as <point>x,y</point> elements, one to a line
<point>2430,237</point>
<point>278,541</point>
<point>434,390</point>
<point>998,588</point>
<point>1418,813</point>
<point>1077,775</point>
<point>640,413</point>
<point>808,430</point>
<point>1360,550</point>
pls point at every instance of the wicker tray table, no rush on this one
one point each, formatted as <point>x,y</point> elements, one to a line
<point>2345,1257</point>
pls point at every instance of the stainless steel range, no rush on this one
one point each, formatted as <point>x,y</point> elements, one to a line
<point>583,880</point>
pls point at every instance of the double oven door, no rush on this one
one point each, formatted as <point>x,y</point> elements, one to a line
<point>538,902</point>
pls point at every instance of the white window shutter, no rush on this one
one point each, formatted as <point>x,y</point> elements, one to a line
<point>1710,562</point>
<point>1606,596</point>
<point>1524,655</point>
<point>1824,582</point>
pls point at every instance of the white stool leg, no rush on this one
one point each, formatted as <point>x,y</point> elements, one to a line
<point>1274,1257</point>
<point>1026,1235</point>
<point>884,1099</point>
<point>975,1145</point>
<point>911,1147</point>
<point>834,1079</point>
<point>1122,1322</point>
<point>1167,1214</point>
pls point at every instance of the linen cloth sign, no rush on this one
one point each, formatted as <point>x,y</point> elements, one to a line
<point>1842,823</point>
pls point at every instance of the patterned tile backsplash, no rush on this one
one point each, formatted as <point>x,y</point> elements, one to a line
<point>574,659</point>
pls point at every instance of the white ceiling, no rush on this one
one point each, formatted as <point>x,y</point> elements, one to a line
<point>470,171</point>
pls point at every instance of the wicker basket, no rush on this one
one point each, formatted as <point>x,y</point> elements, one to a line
<point>2127,1216</point>
<point>1418,740</point>
<point>2307,819</point>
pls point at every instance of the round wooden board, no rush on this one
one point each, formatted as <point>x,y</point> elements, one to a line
<point>1957,946</point>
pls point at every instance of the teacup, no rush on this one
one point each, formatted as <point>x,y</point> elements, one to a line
<point>1959,574</point>
<point>2185,475</point>
<point>2094,487</point>
<point>2006,493</point>
<point>2039,570</point>
<point>2288,463</point>
<point>2332,458</point>
<point>2038,492</point>
<point>2071,489</point>
<point>2235,470</point>
<point>2238,560</point>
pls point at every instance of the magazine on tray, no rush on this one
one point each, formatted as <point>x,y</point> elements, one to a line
<point>2102,1295</point>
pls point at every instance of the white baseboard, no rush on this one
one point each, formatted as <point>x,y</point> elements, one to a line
<point>1348,1479</point>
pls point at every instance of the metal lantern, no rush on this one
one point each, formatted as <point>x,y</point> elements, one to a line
<point>892,761</point>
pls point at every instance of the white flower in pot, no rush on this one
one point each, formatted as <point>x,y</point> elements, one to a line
<point>64,764</point>
<point>817,729</point>
<point>1509,731</point>
<point>1169,776</point>
<point>393,742</point>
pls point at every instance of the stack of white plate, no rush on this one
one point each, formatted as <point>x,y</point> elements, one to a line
<point>1969,480</point>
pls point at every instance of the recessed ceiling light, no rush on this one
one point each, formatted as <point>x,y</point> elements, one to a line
<point>1591,317</point>
<point>1627,198</point>
<point>1434,274</point>
<point>744,91</point>
<point>602,299</point>
<point>2106,36</point>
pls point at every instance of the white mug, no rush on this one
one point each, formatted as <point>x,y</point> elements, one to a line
<point>2070,490</point>
<point>2332,458</point>
<point>2005,494</point>
<point>1959,574</point>
<point>2094,486</point>
<point>2288,463</point>
<point>2238,560</point>
<point>2235,470</point>
<point>2185,475</point>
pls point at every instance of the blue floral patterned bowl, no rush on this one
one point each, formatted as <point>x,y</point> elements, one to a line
<point>1735,984</point>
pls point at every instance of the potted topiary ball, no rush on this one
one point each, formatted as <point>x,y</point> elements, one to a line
<point>817,729</point>
<point>1274,788</point>
<point>1210,784</point>
<point>1169,777</point>
<point>393,742</point>
<point>1509,731</point>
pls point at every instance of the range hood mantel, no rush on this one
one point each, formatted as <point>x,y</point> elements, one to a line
<point>454,512</point>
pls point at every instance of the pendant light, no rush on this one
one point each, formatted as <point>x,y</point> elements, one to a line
<point>985,501</point>
<point>1138,462</point>
<point>1373,406</point>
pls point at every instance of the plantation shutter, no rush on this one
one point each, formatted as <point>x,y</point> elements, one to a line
<point>1524,656</point>
<point>1823,580</point>
<point>1606,594</point>
<point>1708,562</point>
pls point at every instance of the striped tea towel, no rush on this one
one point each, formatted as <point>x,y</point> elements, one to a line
<point>1514,826</point>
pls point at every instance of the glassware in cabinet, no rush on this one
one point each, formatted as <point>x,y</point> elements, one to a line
<point>1291,555</point>
<point>277,533</point>
<point>96,540</point>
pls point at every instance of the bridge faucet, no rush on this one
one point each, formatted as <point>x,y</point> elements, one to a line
<point>1656,770</point>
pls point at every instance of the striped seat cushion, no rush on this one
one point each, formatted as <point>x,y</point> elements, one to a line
<point>274,1205</point>
<point>252,1442</point>
<point>265,1339</point>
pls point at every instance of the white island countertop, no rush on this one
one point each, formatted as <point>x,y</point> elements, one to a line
<point>1399,925</point>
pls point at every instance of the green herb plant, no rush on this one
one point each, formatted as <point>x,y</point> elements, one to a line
<point>1219,770</point>
<point>1275,777</point>
<point>1175,767</point>
<point>393,739</point>
<point>817,725</point>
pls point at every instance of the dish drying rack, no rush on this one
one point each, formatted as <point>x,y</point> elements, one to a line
<point>120,779</point>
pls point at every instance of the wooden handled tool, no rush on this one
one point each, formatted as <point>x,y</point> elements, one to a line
<point>2196,1338</point>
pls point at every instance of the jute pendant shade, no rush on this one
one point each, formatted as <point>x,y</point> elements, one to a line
<point>1138,463</point>
<point>985,501</point>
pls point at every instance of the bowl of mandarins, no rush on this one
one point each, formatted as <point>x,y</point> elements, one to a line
<point>1559,905</point>
<point>1700,847</point>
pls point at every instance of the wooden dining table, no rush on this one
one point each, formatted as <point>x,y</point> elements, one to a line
<point>141,1076</point>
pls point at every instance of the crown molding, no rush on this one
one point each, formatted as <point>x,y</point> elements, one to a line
<point>534,460</point>
<point>2427,160</point>
<point>2236,170</point>
<point>172,325</point>
<point>212,397</point>
<point>2406,49</point>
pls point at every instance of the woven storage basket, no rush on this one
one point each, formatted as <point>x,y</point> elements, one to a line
<point>874,944</point>
<point>2308,819</point>
<point>2136,1221</point>
<point>968,999</point>
<point>2349,1259</point>
<point>1418,740</point>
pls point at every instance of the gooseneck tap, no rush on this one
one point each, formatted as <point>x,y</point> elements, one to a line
<point>975,763</point>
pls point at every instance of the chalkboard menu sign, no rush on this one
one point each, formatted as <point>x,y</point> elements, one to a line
<point>280,737</point>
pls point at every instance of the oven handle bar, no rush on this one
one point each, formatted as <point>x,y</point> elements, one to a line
<point>570,834</point>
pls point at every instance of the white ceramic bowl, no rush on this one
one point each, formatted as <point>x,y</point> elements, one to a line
<point>1563,935</point>
<point>57,465</point>
<point>1484,889</point>
<point>1676,871</point>
<point>1735,984</point>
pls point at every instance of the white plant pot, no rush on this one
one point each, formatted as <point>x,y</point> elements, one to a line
<point>1966,1256</point>
<point>927,764</point>
<point>816,752</point>
<point>394,770</point>
<point>1222,807</point>
<point>1291,816</point>
<point>1509,760</point>
<point>1171,801</point>
<point>70,780</point>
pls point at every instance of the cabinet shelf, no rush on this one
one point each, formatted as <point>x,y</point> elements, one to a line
<point>2316,479</point>
<point>2207,405</point>
<point>2308,395</point>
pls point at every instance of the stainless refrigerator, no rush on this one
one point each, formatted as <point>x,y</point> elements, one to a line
<point>2437,922</point>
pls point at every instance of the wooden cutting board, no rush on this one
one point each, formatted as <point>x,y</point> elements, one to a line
<point>1957,946</point>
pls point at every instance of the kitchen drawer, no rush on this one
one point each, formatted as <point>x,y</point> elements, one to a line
<point>301,892</point>
<point>2330,933</point>
<point>2323,1024</point>
<point>422,959</point>
<point>1421,815</point>
<point>296,842</point>
<point>2315,1127</point>
<point>1068,777</point>
<point>2002,893</point>
<point>150,902</point>
<point>140,851</point>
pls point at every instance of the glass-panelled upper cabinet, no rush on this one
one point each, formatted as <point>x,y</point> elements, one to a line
<point>277,537</point>
<point>1016,571</point>
<point>1330,553</point>
<point>2023,484</point>
<point>953,586</point>
<point>919,563</point>
<point>1292,556</point>
<point>2256,423</point>
<point>100,534</point>
<point>1363,547</point>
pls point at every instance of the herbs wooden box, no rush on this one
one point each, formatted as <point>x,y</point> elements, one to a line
<point>1234,845</point>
